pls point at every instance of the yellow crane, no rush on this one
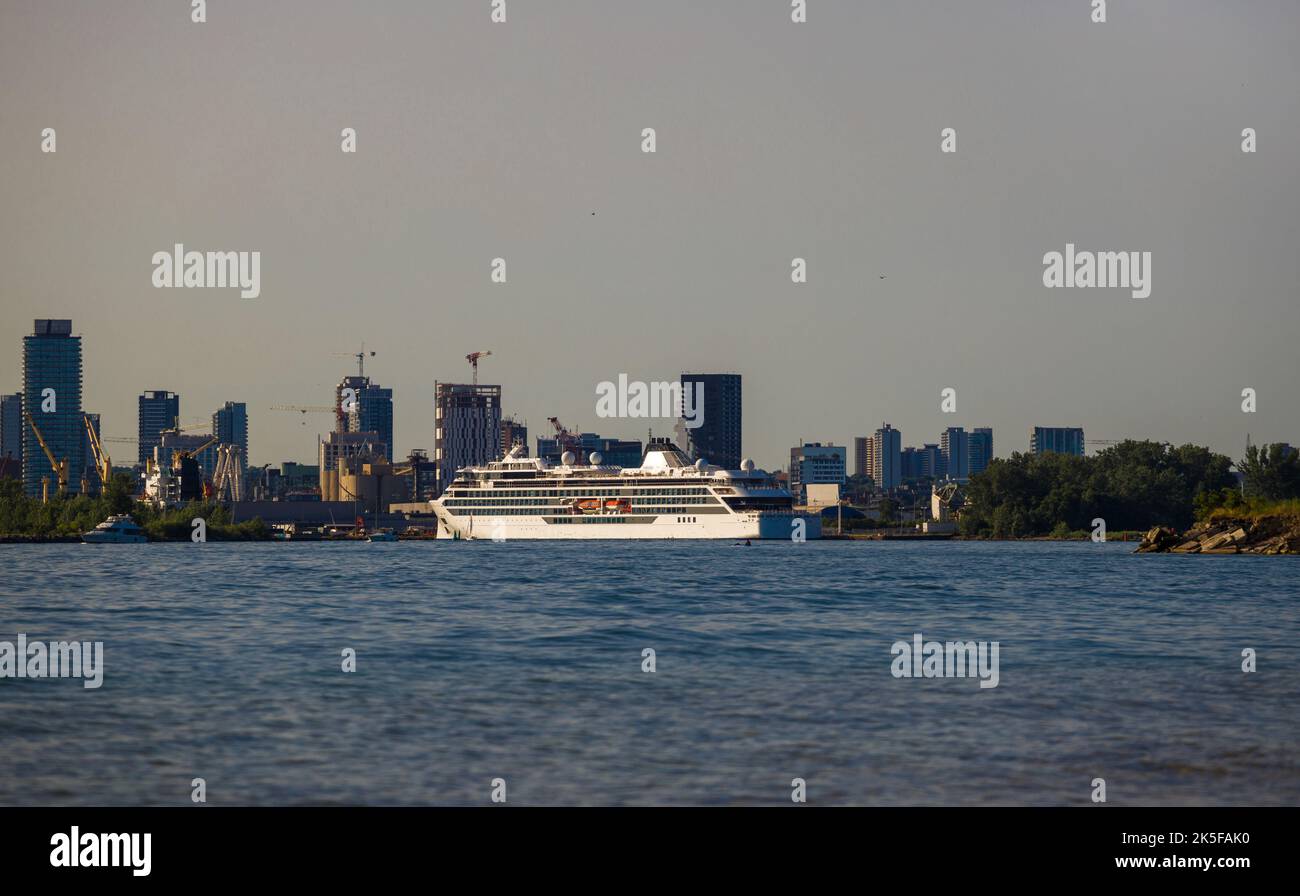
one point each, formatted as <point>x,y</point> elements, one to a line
<point>179,453</point>
<point>102,462</point>
<point>60,468</point>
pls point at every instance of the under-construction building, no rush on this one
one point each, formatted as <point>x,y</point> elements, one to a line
<point>467,427</point>
<point>364,407</point>
<point>513,432</point>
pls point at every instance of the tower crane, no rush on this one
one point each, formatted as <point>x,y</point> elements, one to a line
<point>360,356</point>
<point>472,358</point>
<point>305,409</point>
<point>60,468</point>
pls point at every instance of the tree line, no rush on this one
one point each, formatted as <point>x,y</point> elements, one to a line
<point>71,515</point>
<point>1133,485</point>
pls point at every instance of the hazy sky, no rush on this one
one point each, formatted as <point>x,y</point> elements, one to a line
<point>774,140</point>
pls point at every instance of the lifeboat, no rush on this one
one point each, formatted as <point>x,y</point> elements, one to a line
<point>589,505</point>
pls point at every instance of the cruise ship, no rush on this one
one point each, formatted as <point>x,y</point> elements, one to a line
<point>666,497</point>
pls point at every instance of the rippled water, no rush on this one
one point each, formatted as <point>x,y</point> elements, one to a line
<point>523,661</point>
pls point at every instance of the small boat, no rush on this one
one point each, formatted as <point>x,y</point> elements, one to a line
<point>590,505</point>
<point>380,535</point>
<point>117,529</point>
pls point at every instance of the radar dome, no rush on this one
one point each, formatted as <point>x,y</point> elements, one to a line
<point>747,465</point>
<point>596,459</point>
<point>701,465</point>
<point>567,458</point>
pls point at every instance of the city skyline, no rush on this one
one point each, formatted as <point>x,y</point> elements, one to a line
<point>523,142</point>
<point>370,386</point>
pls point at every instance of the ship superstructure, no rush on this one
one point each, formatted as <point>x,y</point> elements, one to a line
<point>665,497</point>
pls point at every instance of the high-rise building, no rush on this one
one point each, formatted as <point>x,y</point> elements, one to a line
<point>11,436</point>
<point>981,449</point>
<point>374,413</point>
<point>158,410</point>
<point>816,464</point>
<point>513,431</point>
<point>717,438</point>
<point>862,451</point>
<point>230,426</point>
<point>954,442</point>
<point>467,427</point>
<point>364,406</point>
<point>52,396</point>
<point>1060,439</point>
<point>887,458</point>
<point>932,462</point>
<point>911,464</point>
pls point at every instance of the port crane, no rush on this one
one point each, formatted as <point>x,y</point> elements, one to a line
<point>179,454</point>
<point>566,439</point>
<point>102,462</point>
<point>472,358</point>
<point>228,477</point>
<point>60,468</point>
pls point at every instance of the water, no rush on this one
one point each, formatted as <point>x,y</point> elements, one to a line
<point>523,661</point>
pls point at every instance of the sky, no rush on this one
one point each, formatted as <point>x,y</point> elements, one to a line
<point>774,141</point>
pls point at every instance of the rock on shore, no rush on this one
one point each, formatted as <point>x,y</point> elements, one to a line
<point>1268,535</point>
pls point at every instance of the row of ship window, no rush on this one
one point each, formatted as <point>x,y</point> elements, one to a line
<point>638,501</point>
<point>580,492</point>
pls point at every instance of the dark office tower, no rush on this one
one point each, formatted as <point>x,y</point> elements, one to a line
<point>363,406</point>
<point>955,444</point>
<point>52,398</point>
<point>374,413</point>
<point>158,411</point>
<point>981,449</point>
<point>467,427</point>
<point>230,426</point>
<point>11,436</point>
<point>717,439</point>
<point>1058,439</point>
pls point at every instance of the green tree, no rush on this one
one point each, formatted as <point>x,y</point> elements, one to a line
<point>1272,472</point>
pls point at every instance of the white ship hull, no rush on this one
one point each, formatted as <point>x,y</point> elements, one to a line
<point>735,527</point>
<point>667,497</point>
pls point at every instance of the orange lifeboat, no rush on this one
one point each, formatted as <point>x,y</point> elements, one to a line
<point>589,505</point>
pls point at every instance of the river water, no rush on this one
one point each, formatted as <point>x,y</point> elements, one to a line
<point>524,661</point>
